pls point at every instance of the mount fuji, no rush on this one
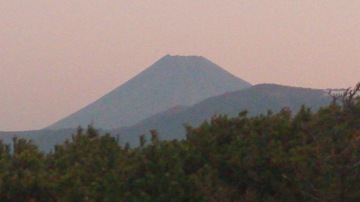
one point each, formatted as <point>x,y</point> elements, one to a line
<point>169,82</point>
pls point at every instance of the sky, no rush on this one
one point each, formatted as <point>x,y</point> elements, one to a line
<point>59,56</point>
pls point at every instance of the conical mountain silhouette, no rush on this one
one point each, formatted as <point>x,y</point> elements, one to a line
<point>171,81</point>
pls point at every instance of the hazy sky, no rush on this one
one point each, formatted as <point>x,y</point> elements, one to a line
<point>58,56</point>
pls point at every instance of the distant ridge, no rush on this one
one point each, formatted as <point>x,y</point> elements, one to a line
<point>256,100</point>
<point>171,81</point>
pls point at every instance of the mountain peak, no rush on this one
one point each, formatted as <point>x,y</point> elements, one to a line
<point>180,61</point>
<point>181,56</point>
<point>194,66</point>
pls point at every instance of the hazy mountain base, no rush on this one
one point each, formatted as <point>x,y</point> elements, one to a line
<point>44,139</point>
<point>170,123</point>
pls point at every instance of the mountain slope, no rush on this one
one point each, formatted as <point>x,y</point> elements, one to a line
<point>256,100</point>
<point>171,81</point>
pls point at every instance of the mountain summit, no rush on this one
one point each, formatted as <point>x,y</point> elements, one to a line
<point>169,82</point>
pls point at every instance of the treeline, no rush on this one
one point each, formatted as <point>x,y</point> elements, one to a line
<point>308,156</point>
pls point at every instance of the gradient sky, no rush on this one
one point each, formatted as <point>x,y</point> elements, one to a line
<point>58,56</point>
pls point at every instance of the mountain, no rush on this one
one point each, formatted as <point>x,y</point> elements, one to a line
<point>256,100</point>
<point>169,82</point>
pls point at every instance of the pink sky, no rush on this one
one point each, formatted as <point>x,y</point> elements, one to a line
<point>58,56</point>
